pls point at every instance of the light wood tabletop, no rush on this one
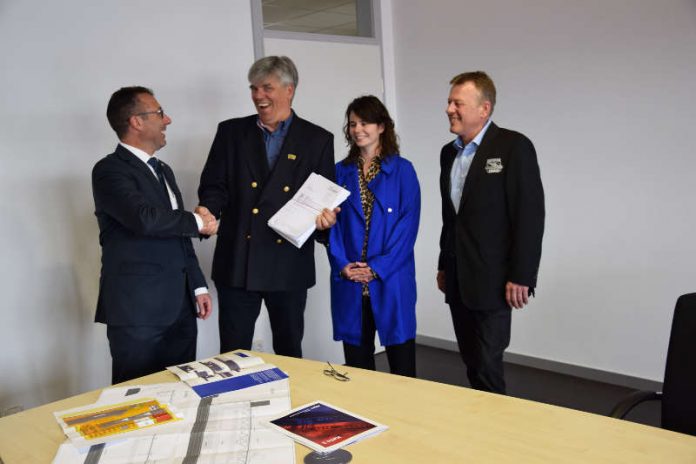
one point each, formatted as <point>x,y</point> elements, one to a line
<point>428,422</point>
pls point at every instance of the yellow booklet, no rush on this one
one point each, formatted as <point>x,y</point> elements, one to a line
<point>104,421</point>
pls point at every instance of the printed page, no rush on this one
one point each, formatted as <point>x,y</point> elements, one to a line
<point>220,429</point>
<point>218,367</point>
<point>296,221</point>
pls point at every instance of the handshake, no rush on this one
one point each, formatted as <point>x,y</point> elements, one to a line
<point>210,223</point>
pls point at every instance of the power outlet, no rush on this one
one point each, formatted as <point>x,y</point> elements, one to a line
<point>257,345</point>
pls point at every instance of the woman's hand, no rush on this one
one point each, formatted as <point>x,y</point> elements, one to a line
<point>358,272</point>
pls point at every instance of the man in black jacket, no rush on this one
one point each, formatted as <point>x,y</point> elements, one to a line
<point>150,282</point>
<point>493,223</point>
<point>256,164</point>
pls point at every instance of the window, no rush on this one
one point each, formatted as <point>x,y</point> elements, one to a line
<point>353,18</point>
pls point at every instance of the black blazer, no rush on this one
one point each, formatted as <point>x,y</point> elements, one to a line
<point>496,236</point>
<point>238,188</point>
<point>148,262</point>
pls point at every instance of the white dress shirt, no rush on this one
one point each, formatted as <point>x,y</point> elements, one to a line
<point>143,156</point>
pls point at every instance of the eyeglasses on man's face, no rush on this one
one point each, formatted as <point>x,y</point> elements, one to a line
<point>335,374</point>
<point>159,112</point>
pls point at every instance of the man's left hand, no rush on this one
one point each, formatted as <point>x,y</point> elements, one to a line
<point>327,218</point>
<point>516,295</point>
<point>205,305</point>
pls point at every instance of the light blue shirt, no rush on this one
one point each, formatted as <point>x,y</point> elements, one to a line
<point>274,140</point>
<point>462,162</point>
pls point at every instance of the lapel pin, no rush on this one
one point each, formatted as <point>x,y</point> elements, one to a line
<point>494,165</point>
<point>291,156</point>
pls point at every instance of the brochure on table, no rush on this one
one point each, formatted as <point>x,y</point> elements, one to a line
<point>225,428</point>
<point>227,373</point>
<point>96,424</point>
<point>323,427</point>
<point>212,430</point>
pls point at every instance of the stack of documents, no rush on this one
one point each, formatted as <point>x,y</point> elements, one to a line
<point>296,220</point>
<point>172,423</point>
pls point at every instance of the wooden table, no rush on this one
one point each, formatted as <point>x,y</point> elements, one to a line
<point>428,423</point>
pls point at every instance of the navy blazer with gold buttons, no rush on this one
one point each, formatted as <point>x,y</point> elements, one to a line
<point>238,187</point>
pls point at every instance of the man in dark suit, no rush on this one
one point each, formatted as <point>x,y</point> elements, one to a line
<point>150,280</point>
<point>256,164</point>
<point>493,223</point>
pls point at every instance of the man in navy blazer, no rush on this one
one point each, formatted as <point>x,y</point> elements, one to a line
<point>492,227</point>
<point>256,164</point>
<point>150,282</point>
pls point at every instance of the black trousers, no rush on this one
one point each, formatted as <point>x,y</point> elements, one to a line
<point>143,350</point>
<point>482,337</point>
<point>239,309</point>
<point>401,357</point>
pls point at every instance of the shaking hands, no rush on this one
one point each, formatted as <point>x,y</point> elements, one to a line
<point>324,221</point>
<point>210,223</point>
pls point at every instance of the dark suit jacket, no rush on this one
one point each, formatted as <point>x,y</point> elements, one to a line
<point>496,236</point>
<point>238,187</point>
<point>148,263</point>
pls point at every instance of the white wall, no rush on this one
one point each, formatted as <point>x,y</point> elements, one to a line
<point>60,63</point>
<point>606,91</point>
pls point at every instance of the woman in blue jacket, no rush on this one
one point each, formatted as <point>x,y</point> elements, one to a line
<point>373,277</point>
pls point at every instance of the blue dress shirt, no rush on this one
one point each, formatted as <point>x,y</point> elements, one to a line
<point>274,140</point>
<point>460,167</point>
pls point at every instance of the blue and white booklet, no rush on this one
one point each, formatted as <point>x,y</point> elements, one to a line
<point>229,373</point>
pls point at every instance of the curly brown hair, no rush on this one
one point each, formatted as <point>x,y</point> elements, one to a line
<point>370,109</point>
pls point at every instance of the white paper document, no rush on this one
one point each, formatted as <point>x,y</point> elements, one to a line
<point>296,220</point>
<point>213,430</point>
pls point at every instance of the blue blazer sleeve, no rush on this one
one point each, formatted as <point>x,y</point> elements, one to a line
<point>336,249</point>
<point>398,249</point>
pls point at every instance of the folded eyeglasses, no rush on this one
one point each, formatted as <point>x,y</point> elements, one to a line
<point>335,374</point>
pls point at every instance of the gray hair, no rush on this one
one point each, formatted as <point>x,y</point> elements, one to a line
<point>280,66</point>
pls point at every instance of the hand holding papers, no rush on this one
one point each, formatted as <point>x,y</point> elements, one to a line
<point>296,221</point>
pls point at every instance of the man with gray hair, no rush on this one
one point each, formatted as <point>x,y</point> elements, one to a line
<point>255,165</point>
